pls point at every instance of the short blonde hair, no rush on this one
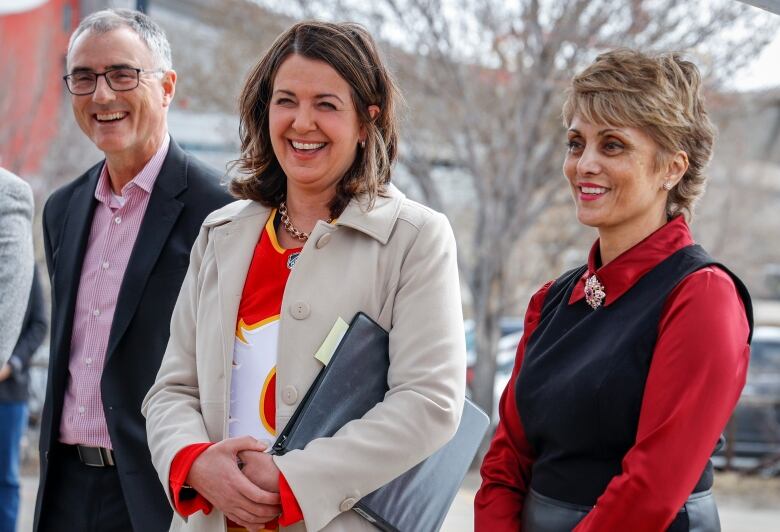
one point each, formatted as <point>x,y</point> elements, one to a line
<point>661,94</point>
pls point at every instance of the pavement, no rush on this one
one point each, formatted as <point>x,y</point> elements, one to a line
<point>736,515</point>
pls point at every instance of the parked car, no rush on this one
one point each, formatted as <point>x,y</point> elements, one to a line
<point>754,436</point>
<point>756,430</point>
<point>505,360</point>
<point>507,324</point>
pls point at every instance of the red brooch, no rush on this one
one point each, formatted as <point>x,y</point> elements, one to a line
<point>594,292</point>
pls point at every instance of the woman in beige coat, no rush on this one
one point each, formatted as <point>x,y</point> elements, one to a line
<point>321,234</point>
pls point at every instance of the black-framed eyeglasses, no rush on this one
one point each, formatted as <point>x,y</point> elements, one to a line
<point>120,79</point>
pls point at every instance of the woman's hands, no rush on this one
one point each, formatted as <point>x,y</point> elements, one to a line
<point>215,475</point>
<point>260,468</point>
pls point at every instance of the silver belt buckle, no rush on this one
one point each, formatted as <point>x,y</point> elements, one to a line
<point>95,456</point>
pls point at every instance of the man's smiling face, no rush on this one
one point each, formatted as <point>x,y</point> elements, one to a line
<point>121,123</point>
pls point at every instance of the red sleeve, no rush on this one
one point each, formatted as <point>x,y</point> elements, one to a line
<point>187,501</point>
<point>506,469</point>
<point>697,373</point>
<point>291,511</point>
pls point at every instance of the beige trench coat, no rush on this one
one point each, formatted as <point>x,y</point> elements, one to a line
<point>396,263</point>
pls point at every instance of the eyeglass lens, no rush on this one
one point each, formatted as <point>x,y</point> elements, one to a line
<point>120,79</point>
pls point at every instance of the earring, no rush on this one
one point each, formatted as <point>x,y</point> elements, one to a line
<point>363,144</point>
<point>668,185</point>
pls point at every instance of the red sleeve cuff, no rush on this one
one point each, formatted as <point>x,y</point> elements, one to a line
<point>187,501</point>
<point>291,512</point>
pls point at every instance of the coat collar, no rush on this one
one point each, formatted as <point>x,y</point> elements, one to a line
<point>377,222</point>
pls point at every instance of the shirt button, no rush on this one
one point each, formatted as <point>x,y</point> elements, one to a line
<point>118,220</point>
<point>300,310</point>
<point>347,504</point>
<point>323,241</point>
<point>105,265</point>
<point>88,360</point>
<point>96,313</point>
<point>289,394</point>
<point>82,410</point>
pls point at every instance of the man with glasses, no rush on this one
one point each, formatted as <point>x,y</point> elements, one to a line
<point>117,242</point>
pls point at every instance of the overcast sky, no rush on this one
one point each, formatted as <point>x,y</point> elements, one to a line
<point>764,72</point>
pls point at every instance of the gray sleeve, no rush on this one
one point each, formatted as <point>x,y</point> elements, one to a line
<point>16,258</point>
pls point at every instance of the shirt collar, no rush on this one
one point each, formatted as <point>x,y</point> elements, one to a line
<point>624,271</point>
<point>144,179</point>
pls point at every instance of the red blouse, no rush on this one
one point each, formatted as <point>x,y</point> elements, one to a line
<point>700,360</point>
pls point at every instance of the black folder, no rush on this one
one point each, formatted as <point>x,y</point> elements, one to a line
<point>352,383</point>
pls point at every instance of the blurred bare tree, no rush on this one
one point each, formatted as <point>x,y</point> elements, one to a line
<point>484,81</point>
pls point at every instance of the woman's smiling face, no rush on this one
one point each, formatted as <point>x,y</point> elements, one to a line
<point>614,175</point>
<point>313,124</point>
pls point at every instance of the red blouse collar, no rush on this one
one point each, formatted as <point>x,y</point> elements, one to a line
<point>625,270</point>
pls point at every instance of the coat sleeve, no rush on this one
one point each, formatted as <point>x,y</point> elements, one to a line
<point>696,375</point>
<point>34,329</point>
<point>16,258</point>
<point>506,469</point>
<point>172,405</point>
<point>426,380</point>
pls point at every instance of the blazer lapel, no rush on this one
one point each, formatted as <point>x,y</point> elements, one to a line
<point>234,247</point>
<point>162,211</point>
<point>71,248</point>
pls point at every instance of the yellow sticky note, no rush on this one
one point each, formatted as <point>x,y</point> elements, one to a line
<point>332,341</point>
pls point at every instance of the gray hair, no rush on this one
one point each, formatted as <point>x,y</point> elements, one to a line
<point>111,19</point>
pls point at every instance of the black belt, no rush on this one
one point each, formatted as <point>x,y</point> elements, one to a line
<point>94,456</point>
<point>545,514</point>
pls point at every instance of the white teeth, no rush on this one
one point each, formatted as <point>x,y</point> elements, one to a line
<point>307,145</point>
<point>111,116</point>
<point>594,190</point>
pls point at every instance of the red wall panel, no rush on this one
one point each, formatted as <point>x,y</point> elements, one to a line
<point>33,44</point>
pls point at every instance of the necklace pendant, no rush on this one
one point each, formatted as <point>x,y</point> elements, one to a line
<point>594,292</point>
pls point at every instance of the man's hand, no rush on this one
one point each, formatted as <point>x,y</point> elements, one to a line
<point>216,476</point>
<point>5,371</point>
<point>260,468</point>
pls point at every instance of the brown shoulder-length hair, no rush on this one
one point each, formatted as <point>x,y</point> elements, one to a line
<point>351,51</point>
<point>659,93</point>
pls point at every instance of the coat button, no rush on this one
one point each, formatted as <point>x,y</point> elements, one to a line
<point>289,394</point>
<point>300,310</point>
<point>347,504</point>
<point>323,241</point>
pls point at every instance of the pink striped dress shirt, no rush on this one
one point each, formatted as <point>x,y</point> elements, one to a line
<point>115,226</point>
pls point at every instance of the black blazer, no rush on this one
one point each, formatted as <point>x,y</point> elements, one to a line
<point>16,387</point>
<point>185,192</point>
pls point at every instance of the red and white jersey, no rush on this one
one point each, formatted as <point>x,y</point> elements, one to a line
<point>253,384</point>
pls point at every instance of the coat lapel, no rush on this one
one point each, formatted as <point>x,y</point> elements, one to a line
<point>162,211</point>
<point>234,247</point>
<point>71,248</point>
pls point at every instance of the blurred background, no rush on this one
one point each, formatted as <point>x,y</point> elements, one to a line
<point>482,141</point>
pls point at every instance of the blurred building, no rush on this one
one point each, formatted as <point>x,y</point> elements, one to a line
<point>33,38</point>
<point>210,136</point>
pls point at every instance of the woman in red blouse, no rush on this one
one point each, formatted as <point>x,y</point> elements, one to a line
<point>630,365</point>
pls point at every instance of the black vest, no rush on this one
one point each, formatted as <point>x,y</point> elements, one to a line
<point>580,388</point>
